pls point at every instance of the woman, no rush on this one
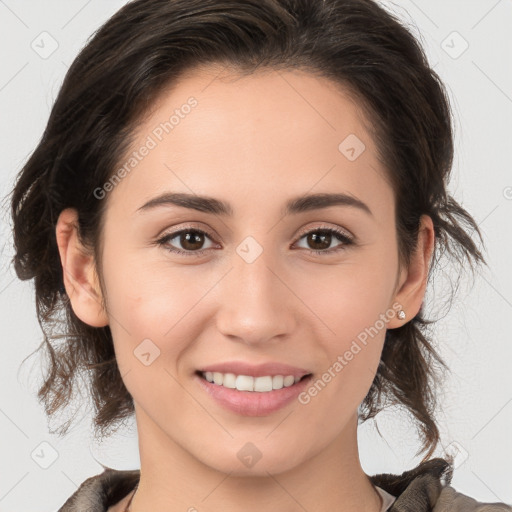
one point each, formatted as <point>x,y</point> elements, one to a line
<point>238,206</point>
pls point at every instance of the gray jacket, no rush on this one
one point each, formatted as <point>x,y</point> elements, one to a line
<point>424,488</point>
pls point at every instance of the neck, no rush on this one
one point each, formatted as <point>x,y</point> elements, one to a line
<point>172,479</point>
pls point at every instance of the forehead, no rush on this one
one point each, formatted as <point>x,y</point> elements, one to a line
<point>270,133</point>
<point>265,106</point>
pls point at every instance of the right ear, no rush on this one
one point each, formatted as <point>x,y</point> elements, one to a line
<point>79,273</point>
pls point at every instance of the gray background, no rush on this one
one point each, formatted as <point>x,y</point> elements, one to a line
<point>39,471</point>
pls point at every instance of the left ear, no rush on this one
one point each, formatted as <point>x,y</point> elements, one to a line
<point>413,280</point>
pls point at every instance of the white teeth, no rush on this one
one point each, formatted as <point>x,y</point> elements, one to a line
<point>229,380</point>
<point>248,383</point>
<point>244,383</point>
<point>277,381</point>
<point>289,380</point>
<point>262,384</point>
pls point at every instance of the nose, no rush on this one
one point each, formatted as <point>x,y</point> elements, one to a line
<point>257,304</point>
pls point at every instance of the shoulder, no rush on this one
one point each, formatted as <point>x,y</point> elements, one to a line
<point>99,492</point>
<point>451,500</point>
<point>427,488</point>
<point>424,488</point>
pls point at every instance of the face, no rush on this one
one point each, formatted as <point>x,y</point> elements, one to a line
<point>312,287</point>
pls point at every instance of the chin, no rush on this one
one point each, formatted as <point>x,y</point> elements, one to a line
<point>253,459</point>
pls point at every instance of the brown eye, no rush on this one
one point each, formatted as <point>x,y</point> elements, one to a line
<point>319,240</point>
<point>191,240</point>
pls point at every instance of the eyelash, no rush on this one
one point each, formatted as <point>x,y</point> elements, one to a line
<point>339,234</point>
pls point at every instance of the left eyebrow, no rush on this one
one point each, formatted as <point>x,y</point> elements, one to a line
<point>295,205</point>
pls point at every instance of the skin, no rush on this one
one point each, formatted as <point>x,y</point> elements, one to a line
<point>254,142</point>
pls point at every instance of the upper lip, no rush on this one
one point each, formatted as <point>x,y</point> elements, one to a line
<point>260,370</point>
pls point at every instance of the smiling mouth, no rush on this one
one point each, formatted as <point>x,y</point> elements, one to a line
<point>248,383</point>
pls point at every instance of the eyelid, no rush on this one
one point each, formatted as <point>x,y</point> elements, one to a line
<point>336,230</point>
<point>339,229</point>
<point>301,233</point>
<point>192,227</point>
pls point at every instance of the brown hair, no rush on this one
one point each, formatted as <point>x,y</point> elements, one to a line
<point>143,49</point>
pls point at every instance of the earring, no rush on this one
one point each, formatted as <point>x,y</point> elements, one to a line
<point>401,314</point>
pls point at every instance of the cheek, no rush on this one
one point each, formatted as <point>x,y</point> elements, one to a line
<point>148,302</point>
<point>350,355</point>
<point>351,305</point>
<point>349,297</point>
<point>154,322</point>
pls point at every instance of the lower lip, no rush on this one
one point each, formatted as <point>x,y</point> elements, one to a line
<point>253,403</point>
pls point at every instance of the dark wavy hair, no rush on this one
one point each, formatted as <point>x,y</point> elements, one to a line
<point>141,51</point>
